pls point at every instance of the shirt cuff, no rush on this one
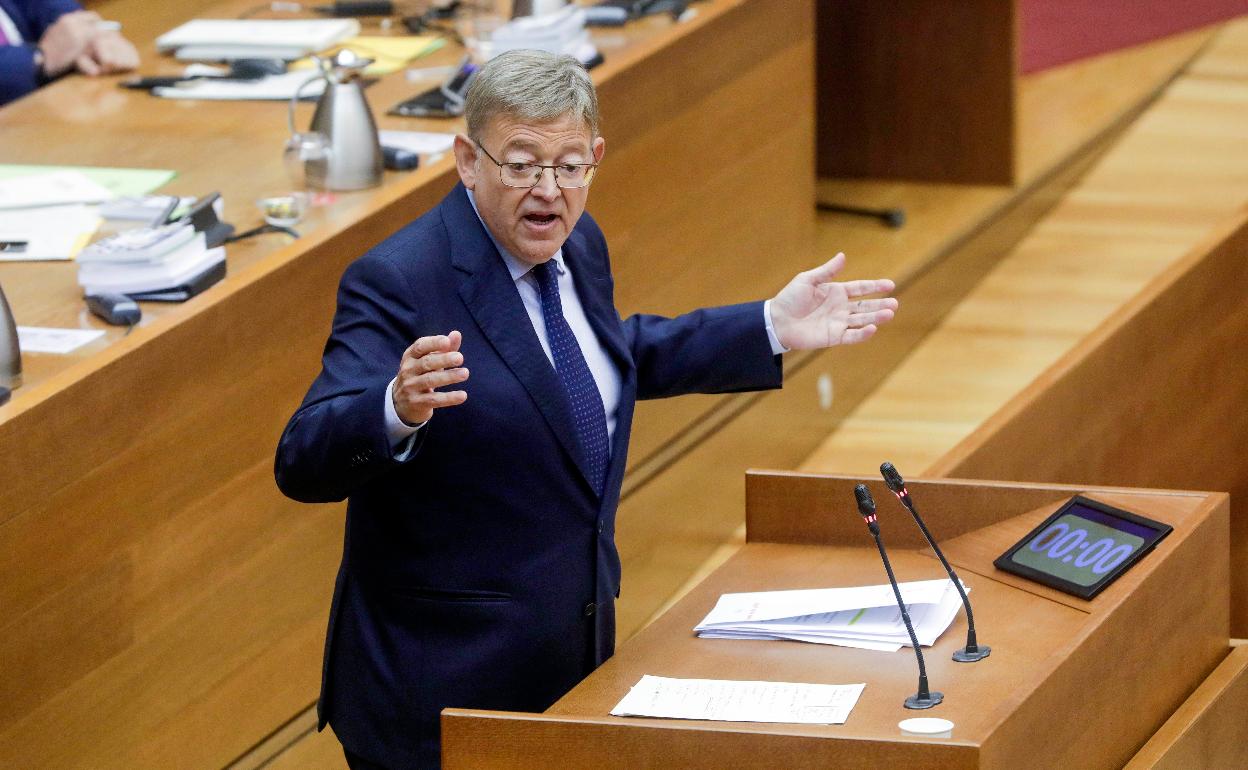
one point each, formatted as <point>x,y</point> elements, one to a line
<point>776,347</point>
<point>401,434</point>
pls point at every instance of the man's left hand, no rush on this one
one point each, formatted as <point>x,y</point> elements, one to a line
<point>813,311</point>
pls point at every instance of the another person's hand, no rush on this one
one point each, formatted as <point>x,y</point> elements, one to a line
<point>64,44</point>
<point>812,311</point>
<point>430,363</point>
<point>107,53</point>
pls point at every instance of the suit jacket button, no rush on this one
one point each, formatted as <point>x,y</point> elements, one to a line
<point>590,609</point>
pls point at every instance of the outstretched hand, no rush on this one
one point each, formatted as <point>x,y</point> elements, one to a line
<point>813,311</point>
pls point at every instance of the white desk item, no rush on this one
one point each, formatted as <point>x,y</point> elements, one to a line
<point>862,616</point>
<point>289,39</point>
<point>737,701</point>
<point>52,189</point>
<point>48,232</point>
<point>37,339</point>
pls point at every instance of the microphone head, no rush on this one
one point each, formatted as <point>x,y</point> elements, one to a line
<point>866,505</point>
<point>892,478</point>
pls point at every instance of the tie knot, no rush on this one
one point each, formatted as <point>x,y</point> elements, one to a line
<point>547,278</point>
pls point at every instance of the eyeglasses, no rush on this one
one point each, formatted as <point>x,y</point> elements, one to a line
<point>568,176</point>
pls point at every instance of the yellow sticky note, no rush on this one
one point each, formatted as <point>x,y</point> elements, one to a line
<point>388,52</point>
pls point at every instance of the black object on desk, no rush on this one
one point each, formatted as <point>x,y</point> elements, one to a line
<point>357,8</point>
<point>1083,547</point>
<point>399,159</point>
<point>4,395</point>
<point>443,101</point>
<point>204,218</point>
<point>114,309</point>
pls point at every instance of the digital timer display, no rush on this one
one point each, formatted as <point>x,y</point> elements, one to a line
<point>1083,547</point>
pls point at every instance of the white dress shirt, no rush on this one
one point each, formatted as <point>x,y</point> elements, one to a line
<point>606,375</point>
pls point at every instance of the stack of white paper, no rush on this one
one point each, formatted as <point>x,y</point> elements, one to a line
<point>255,38</point>
<point>729,701</point>
<point>865,617</point>
<point>147,260</point>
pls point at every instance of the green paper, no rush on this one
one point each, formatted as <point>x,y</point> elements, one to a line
<point>124,182</point>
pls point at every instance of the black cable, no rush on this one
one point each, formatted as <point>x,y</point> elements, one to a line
<point>261,230</point>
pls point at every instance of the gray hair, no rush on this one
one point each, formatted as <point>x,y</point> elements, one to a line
<point>532,86</point>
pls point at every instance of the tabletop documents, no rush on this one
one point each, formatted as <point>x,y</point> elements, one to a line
<point>865,617</point>
<point>734,701</point>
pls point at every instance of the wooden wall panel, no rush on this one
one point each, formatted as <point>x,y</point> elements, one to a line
<point>917,89</point>
<point>1209,729</point>
<point>1154,397</point>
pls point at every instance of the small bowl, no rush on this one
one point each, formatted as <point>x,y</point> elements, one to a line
<point>285,209</point>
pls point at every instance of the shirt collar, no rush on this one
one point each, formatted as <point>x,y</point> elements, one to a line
<point>515,266</point>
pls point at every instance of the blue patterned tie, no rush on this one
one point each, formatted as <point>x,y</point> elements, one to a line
<point>586,401</point>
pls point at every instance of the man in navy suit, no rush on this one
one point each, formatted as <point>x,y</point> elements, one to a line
<point>43,39</point>
<point>479,567</point>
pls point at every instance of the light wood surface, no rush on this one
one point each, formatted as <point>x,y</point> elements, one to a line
<point>1051,658</point>
<point>164,605</point>
<point>1164,197</point>
<point>1209,729</point>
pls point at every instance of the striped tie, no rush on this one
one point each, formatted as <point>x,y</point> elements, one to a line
<point>586,401</point>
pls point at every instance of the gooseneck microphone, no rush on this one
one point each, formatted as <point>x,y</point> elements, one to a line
<point>924,698</point>
<point>973,651</point>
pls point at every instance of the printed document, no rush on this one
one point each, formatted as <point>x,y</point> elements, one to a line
<point>733,701</point>
<point>866,617</point>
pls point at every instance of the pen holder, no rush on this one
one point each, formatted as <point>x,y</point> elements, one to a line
<point>10,352</point>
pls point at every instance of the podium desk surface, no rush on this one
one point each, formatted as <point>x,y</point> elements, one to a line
<point>1069,681</point>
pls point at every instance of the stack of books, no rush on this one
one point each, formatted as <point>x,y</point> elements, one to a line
<point>170,263</point>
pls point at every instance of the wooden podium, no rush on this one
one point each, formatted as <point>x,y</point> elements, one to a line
<point>1069,683</point>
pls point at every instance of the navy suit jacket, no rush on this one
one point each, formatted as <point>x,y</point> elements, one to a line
<point>18,74</point>
<point>481,572</point>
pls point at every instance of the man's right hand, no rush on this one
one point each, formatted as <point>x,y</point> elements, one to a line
<point>67,41</point>
<point>430,363</point>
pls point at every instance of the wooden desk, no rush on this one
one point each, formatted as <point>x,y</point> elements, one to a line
<point>162,603</point>
<point>1069,683</point>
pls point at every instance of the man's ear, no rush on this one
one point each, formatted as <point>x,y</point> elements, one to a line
<point>600,146</point>
<point>466,160</point>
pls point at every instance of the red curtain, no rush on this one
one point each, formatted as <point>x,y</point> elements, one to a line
<point>1054,32</point>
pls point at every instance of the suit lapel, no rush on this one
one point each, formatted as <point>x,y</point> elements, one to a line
<point>593,286</point>
<point>490,295</point>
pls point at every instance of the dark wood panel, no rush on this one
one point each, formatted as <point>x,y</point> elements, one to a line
<point>917,89</point>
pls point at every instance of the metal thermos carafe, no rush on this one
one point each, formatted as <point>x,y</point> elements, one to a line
<point>352,158</point>
<point>10,353</point>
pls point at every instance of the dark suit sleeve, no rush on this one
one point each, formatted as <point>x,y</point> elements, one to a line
<point>713,350</point>
<point>337,439</point>
<point>18,74</point>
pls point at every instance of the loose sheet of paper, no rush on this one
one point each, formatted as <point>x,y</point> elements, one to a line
<point>51,189</point>
<point>38,339</point>
<point>419,142</point>
<point>272,88</point>
<point>736,701</point>
<point>120,181</point>
<point>49,232</point>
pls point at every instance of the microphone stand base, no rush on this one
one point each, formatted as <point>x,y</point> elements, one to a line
<point>933,699</point>
<point>963,656</point>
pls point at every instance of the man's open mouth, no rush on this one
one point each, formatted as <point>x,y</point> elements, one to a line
<point>540,219</point>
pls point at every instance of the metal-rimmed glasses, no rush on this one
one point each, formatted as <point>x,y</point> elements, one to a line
<point>568,176</point>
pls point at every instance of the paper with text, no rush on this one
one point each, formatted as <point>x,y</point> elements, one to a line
<point>736,701</point>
